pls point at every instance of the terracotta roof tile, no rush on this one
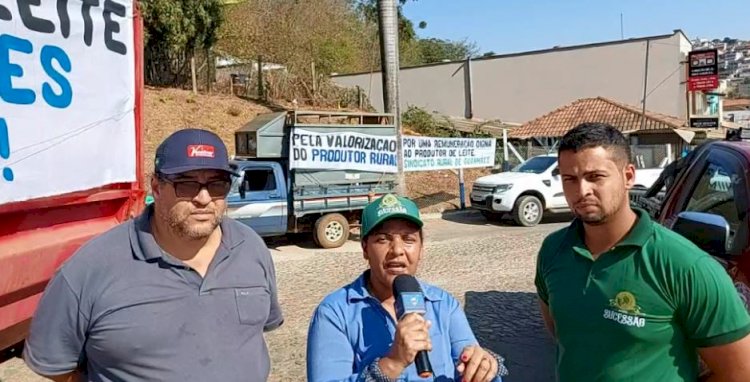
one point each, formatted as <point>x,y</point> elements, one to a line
<point>624,117</point>
<point>736,104</point>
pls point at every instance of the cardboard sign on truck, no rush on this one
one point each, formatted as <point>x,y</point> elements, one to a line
<point>70,140</point>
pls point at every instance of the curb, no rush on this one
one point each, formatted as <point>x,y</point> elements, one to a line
<point>440,215</point>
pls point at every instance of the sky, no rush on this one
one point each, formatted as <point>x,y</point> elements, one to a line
<point>510,26</point>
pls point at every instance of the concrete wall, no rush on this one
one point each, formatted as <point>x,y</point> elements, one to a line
<point>435,88</point>
<point>521,87</point>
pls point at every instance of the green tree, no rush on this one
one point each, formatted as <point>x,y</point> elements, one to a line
<point>324,35</point>
<point>412,49</point>
<point>296,34</point>
<point>368,9</point>
<point>335,35</point>
<point>407,35</point>
<point>174,30</point>
<point>436,50</point>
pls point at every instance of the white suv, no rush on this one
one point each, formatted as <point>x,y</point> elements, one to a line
<point>530,189</point>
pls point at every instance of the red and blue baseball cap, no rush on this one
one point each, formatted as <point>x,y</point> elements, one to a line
<point>192,149</point>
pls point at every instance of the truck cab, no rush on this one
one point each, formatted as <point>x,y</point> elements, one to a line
<point>261,202</point>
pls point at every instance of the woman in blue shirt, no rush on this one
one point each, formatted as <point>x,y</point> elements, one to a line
<point>355,335</point>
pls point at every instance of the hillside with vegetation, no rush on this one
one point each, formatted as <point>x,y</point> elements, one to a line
<point>167,110</point>
<point>310,39</point>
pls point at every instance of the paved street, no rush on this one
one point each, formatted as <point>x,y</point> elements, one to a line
<point>489,267</point>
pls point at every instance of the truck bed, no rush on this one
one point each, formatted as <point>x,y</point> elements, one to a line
<point>313,199</point>
<point>37,237</point>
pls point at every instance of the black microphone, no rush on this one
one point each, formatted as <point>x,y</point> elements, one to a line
<point>409,299</point>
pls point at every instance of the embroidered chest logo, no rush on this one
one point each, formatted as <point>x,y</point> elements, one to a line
<point>625,310</point>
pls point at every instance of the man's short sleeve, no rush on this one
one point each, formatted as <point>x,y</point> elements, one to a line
<point>275,318</point>
<point>710,306</point>
<point>539,281</point>
<point>58,330</point>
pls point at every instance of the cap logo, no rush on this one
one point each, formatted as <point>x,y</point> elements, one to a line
<point>389,201</point>
<point>390,205</point>
<point>200,151</point>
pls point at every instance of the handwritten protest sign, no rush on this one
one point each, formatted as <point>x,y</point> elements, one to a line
<point>67,96</point>
<point>427,153</point>
<point>342,151</point>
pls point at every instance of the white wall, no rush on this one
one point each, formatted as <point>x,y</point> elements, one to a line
<point>521,87</point>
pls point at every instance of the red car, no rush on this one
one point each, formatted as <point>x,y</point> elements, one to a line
<point>706,198</point>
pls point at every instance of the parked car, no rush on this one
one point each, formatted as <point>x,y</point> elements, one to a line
<point>706,198</point>
<point>532,189</point>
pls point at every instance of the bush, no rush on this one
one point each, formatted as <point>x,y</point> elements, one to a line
<point>433,125</point>
<point>424,123</point>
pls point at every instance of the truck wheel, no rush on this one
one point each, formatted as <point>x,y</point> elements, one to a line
<point>331,231</point>
<point>528,211</point>
<point>315,239</point>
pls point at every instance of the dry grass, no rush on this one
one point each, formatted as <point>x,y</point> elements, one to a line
<point>168,110</point>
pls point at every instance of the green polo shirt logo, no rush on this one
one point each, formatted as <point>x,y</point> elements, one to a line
<point>626,311</point>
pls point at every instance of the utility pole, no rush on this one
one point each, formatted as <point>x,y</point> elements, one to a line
<point>261,87</point>
<point>388,27</point>
<point>645,86</point>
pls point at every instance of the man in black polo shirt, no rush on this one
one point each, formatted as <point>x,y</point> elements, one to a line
<point>181,293</point>
<point>626,298</point>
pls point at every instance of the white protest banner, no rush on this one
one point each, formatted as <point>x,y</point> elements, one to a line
<point>427,153</point>
<point>342,151</point>
<point>67,97</point>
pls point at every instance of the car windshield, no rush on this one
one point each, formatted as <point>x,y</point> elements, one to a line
<point>535,165</point>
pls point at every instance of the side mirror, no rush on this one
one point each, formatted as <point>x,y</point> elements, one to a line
<point>243,188</point>
<point>710,232</point>
<point>556,172</point>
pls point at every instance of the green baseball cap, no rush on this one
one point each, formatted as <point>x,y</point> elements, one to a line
<point>389,207</point>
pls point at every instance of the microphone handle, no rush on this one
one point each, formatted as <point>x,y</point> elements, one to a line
<point>422,363</point>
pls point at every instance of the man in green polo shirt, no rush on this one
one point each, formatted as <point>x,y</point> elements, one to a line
<point>625,298</point>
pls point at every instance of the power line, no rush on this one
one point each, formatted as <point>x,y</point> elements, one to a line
<point>663,81</point>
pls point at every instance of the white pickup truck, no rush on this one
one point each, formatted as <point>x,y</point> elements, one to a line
<point>531,189</point>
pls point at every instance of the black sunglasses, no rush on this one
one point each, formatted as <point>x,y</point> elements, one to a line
<point>190,188</point>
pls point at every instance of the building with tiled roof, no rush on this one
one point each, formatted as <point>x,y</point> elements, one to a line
<point>624,117</point>
<point>654,137</point>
